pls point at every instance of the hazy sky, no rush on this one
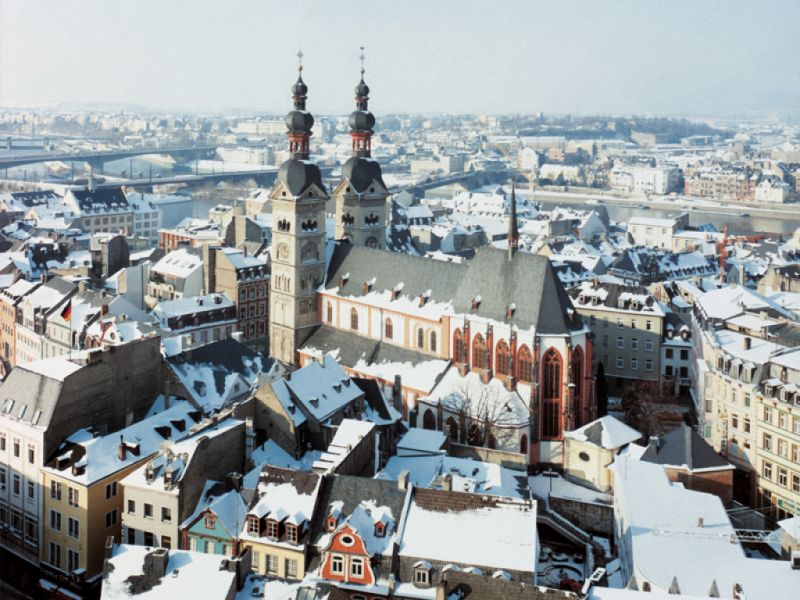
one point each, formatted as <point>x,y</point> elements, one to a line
<point>639,56</point>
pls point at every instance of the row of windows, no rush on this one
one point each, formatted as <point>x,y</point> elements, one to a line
<point>648,363</point>
<point>781,447</point>
<point>262,292</point>
<point>54,558</point>
<point>73,494</point>
<point>18,482</point>
<point>783,420</point>
<point>20,525</point>
<point>16,445</point>
<point>784,477</point>
<point>73,525</point>
<point>634,324</point>
<point>648,344</point>
<point>147,511</point>
<point>271,564</point>
<point>149,538</point>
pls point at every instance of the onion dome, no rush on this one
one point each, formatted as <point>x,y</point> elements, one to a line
<point>362,120</point>
<point>362,89</point>
<point>299,121</point>
<point>361,172</point>
<point>300,88</point>
<point>298,175</point>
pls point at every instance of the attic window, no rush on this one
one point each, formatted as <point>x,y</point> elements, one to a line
<point>380,529</point>
<point>314,402</point>
<point>510,310</point>
<point>330,523</point>
<point>476,302</point>
<point>200,388</point>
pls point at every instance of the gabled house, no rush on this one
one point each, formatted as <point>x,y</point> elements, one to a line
<point>215,525</point>
<point>356,532</point>
<point>278,525</point>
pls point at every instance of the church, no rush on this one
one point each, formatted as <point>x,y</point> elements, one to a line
<point>488,351</point>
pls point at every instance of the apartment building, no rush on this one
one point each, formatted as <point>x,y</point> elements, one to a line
<point>628,324</point>
<point>656,233</point>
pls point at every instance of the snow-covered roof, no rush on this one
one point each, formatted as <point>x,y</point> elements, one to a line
<point>607,432</point>
<point>86,459</point>
<point>188,575</point>
<point>180,262</point>
<point>442,526</point>
<point>349,433</point>
<point>286,496</point>
<point>669,542</point>
<point>56,367</point>
<point>418,441</point>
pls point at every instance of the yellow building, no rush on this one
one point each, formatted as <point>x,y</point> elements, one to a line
<point>83,500</point>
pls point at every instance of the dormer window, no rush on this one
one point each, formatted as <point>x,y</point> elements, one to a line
<point>291,533</point>
<point>476,303</point>
<point>272,529</point>
<point>252,525</point>
<point>330,523</point>
<point>422,573</point>
<point>210,522</point>
<point>380,529</point>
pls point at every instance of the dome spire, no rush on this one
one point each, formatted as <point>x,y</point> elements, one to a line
<point>361,120</point>
<point>299,122</point>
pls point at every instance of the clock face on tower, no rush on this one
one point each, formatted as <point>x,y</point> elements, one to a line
<point>372,242</point>
<point>283,251</point>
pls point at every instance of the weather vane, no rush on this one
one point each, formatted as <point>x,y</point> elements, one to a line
<point>300,60</point>
<point>362,57</point>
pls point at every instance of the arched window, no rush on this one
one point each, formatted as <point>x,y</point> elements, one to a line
<point>503,361</point>
<point>523,445</point>
<point>309,252</point>
<point>452,429</point>
<point>389,329</point>
<point>551,394</point>
<point>353,319</point>
<point>420,338</point>
<point>433,341</point>
<point>480,353</point>
<point>474,435</point>
<point>428,420</point>
<point>329,313</point>
<point>576,369</point>
<point>459,347</point>
<point>524,364</point>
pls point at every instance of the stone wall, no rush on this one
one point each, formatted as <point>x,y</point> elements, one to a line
<point>512,460</point>
<point>594,518</point>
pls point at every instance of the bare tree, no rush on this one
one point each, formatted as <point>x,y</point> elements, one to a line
<point>642,401</point>
<point>484,413</point>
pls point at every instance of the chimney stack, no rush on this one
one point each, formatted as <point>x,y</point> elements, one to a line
<point>402,480</point>
<point>122,451</point>
<point>249,439</point>
<point>748,342</point>
<point>700,522</point>
<point>447,482</point>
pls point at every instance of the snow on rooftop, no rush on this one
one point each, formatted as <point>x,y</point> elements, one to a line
<point>614,433</point>
<point>188,575</point>
<point>56,367</point>
<point>507,538</point>
<point>418,440</point>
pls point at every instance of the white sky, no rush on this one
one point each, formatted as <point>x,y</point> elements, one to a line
<point>611,56</point>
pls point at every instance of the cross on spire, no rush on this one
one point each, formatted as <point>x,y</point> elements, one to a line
<point>361,58</point>
<point>300,60</point>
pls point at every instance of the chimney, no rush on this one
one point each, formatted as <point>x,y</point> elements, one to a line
<point>108,549</point>
<point>155,564</point>
<point>654,443</point>
<point>397,393</point>
<point>233,481</point>
<point>168,474</point>
<point>122,451</point>
<point>738,592</point>
<point>249,439</point>
<point>402,480</point>
<point>149,471</point>
<point>167,392</point>
<point>104,309</point>
<point>238,336</point>
<point>447,482</point>
<point>700,522</point>
<point>82,286</point>
<point>748,342</point>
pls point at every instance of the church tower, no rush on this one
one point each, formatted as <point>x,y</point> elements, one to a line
<point>361,194</point>
<point>298,236</point>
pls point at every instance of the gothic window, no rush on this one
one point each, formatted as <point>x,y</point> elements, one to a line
<point>452,429</point>
<point>329,313</point>
<point>524,364</point>
<point>551,394</point>
<point>309,252</point>
<point>459,347</point>
<point>433,341</point>
<point>371,219</point>
<point>389,329</point>
<point>354,319</point>
<point>372,242</point>
<point>420,338</point>
<point>523,444</point>
<point>348,219</point>
<point>428,420</point>
<point>480,353</point>
<point>577,370</point>
<point>503,362</point>
<point>474,435</point>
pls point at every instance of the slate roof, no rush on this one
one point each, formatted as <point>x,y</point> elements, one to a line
<point>351,348</point>
<point>87,198</point>
<point>351,491</point>
<point>299,175</point>
<point>683,446</point>
<point>526,280</point>
<point>472,586</point>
